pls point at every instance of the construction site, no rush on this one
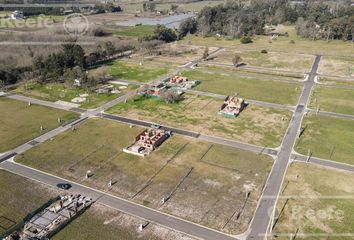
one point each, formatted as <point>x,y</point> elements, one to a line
<point>180,82</point>
<point>147,141</point>
<point>232,107</point>
<point>52,219</point>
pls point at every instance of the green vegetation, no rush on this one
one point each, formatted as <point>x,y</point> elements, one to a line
<point>19,196</point>
<point>214,171</point>
<point>320,202</point>
<point>140,73</point>
<point>256,125</point>
<point>138,31</point>
<point>262,90</point>
<point>20,123</point>
<point>328,138</point>
<point>55,91</point>
<point>329,99</point>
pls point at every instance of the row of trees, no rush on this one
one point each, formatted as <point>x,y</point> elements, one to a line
<point>314,19</point>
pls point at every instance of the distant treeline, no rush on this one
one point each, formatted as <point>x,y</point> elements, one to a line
<point>313,19</point>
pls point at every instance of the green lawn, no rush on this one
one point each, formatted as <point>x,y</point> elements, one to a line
<point>333,100</point>
<point>141,73</point>
<point>20,123</point>
<point>282,44</point>
<point>320,202</point>
<point>328,138</point>
<point>136,31</point>
<point>217,172</point>
<point>273,60</point>
<point>257,125</point>
<point>18,197</point>
<point>54,92</point>
<point>255,89</point>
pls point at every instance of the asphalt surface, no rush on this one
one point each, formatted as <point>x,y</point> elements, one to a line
<point>120,204</point>
<point>323,162</point>
<point>262,218</point>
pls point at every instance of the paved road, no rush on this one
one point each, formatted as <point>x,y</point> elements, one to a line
<point>187,133</point>
<point>260,103</point>
<point>261,221</point>
<point>323,162</point>
<point>120,204</point>
<point>332,114</point>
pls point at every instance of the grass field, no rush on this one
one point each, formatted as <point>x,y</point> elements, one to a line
<point>282,44</point>
<point>252,73</point>
<point>256,125</point>
<point>136,31</point>
<point>274,60</point>
<point>20,123</point>
<point>141,73</point>
<point>248,88</point>
<point>100,222</point>
<point>331,81</point>
<point>54,92</point>
<point>328,138</point>
<point>333,100</point>
<point>18,197</point>
<point>320,203</point>
<point>337,66</point>
<point>210,181</point>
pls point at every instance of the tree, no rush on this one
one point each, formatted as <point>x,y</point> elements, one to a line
<point>236,60</point>
<point>206,54</point>
<point>171,96</point>
<point>189,26</point>
<point>164,34</point>
<point>149,6</point>
<point>110,48</point>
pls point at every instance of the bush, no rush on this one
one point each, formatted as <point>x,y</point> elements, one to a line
<point>246,39</point>
<point>292,42</point>
<point>264,51</point>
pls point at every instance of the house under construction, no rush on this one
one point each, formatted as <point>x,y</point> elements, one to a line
<point>53,218</point>
<point>180,82</point>
<point>153,90</point>
<point>232,106</point>
<point>148,141</point>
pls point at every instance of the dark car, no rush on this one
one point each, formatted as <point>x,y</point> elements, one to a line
<point>64,186</point>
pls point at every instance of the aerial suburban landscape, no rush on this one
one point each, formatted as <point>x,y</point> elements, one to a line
<point>176,119</point>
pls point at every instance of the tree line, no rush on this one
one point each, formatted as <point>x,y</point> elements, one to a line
<point>314,19</point>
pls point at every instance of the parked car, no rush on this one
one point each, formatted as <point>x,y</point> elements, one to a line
<point>64,186</point>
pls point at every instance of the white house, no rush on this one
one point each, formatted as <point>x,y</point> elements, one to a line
<point>17,15</point>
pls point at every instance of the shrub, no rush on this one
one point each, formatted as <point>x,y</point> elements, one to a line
<point>292,41</point>
<point>246,39</point>
<point>264,51</point>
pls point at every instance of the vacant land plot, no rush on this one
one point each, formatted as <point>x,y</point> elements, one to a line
<point>54,92</point>
<point>282,44</point>
<point>136,31</point>
<point>328,138</point>
<point>319,203</point>
<point>256,89</point>
<point>337,66</point>
<point>336,81</point>
<point>20,123</point>
<point>100,222</point>
<point>142,71</point>
<point>18,197</point>
<point>256,125</point>
<point>251,73</point>
<point>228,181</point>
<point>333,100</point>
<point>274,60</point>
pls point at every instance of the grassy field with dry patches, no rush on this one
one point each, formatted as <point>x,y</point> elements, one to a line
<point>328,138</point>
<point>274,60</point>
<point>202,182</point>
<point>337,66</point>
<point>20,123</point>
<point>319,203</point>
<point>256,125</point>
<point>333,100</point>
